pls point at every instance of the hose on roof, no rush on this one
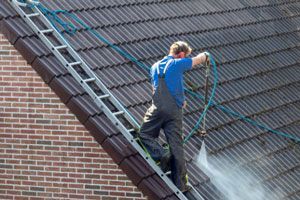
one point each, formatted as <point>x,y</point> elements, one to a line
<point>70,28</point>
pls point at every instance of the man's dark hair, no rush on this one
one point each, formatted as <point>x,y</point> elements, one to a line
<point>180,46</point>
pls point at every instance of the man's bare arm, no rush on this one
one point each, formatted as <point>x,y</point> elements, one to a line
<point>199,59</point>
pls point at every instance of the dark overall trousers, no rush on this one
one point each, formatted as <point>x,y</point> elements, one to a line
<point>165,114</point>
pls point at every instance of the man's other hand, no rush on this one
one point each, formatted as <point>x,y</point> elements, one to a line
<point>184,105</point>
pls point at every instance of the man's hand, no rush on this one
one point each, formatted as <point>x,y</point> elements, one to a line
<point>184,105</point>
<point>201,58</point>
<point>207,60</point>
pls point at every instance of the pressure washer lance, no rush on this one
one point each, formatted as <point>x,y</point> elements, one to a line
<point>207,71</point>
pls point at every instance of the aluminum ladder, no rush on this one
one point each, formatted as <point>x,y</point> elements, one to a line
<point>92,84</point>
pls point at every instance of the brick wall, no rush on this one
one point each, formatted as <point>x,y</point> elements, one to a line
<point>45,153</point>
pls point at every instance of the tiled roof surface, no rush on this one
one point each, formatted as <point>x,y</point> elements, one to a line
<point>256,45</point>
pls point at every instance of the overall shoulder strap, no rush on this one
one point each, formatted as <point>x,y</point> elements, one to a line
<point>165,69</point>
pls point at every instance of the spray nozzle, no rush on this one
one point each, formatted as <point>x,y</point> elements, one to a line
<point>202,133</point>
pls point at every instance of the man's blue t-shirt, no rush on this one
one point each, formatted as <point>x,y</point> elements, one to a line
<point>173,76</point>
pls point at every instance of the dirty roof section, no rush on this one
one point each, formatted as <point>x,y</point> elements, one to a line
<point>256,46</point>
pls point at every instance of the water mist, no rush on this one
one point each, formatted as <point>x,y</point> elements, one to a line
<point>234,182</point>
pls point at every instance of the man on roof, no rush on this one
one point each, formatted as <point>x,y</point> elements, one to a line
<point>165,112</point>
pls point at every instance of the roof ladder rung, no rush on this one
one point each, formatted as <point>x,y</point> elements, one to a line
<point>61,47</point>
<point>74,63</point>
<point>119,113</point>
<point>89,80</point>
<point>46,31</point>
<point>104,96</point>
<point>168,173</point>
<point>33,15</point>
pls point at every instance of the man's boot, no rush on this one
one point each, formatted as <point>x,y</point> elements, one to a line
<point>165,163</point>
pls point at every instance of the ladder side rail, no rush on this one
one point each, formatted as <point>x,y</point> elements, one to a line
<point>100,103</point>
